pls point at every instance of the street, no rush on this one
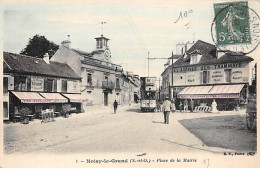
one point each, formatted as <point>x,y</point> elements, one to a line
<point>127,131</point>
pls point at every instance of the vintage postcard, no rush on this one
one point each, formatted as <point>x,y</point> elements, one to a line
<point>127,84</point>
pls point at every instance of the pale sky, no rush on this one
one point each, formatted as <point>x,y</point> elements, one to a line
<point>133,27</point>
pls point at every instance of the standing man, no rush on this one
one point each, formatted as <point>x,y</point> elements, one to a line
<point>180,106</point>
<point>115,106</point>
<point>166,110</point>
<point>191,105</point>
<point>185,105</point>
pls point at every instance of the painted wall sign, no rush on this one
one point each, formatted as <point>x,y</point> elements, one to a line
<point>207,67</point>
<point>37,84</point>
<point>208,96</point>
<point>73,87</point>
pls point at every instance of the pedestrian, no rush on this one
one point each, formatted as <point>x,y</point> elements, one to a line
<point>185,105</point>
<point>173,106</point>
<point>191,105</point>
<point>166,110</point>
<point>158,106</point>
<point>180,106</point>
<point>115,106</point>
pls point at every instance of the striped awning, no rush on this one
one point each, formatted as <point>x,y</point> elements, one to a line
<point>196,90</point>
<point>76,98</point>
<point>211,92</point>
<point>226,89</point>
<point>54,97</point>
<point>29,97</point>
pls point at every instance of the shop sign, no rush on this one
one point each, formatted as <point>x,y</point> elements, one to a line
<point>217,76</point>
<point>208,96</point>
<point>37,84</point>
<point>43,100</point>
<point>207,67</point>
<point>35,101</point>
<point>237,75</point>
<point>73,87</point>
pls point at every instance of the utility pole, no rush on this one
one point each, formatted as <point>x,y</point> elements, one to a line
<point>148,63</point>
<point>172,79</point>
<point>171,92</point>
<point>159,89</point>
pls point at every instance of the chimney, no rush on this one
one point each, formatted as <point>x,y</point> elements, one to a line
<point>66,43</point>
<point>46,58</point>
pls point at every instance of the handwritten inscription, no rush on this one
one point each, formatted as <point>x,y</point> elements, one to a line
<point>182,15</point>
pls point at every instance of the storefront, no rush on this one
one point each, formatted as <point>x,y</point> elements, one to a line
<point>228,97</point>
<point>37,84</point>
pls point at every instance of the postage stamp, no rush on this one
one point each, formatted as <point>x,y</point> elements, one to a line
<point>235,27</point>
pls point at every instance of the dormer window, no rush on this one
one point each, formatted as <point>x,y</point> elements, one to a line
<point>194,59</point>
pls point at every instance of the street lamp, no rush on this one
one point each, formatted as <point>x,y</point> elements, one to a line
<point>170,91</point>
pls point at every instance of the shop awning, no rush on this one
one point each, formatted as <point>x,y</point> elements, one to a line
<point>54,97</point>
<point>29,97</point>
<point>211,92</point>
<point>196,90</point>
<point>76,98</point>
<point>226,89</point>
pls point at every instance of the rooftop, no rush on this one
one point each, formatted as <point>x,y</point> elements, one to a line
<point>18,63</point>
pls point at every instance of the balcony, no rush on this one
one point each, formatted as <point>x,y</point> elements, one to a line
<point>89,86</point>
<point>108,85</point>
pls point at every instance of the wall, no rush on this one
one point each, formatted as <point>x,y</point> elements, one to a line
<point>66,55</point>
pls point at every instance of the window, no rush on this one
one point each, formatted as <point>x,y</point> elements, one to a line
<point>117,83</point>
<point>48,85</point>
<point>64,86</point>
<point>89,79</point>
<point>28,80</point>
<point>5,109</point>
<point>194,59</point>
<point>227,75</point>
<point>5,85</point>
<point>204,77</point>
<point>100,44</point>
<point>20,83</point>
<point>106,78</point>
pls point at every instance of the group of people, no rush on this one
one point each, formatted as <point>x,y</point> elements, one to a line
<point>185,106</point>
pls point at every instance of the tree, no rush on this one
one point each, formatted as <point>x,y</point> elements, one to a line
<point>38,46</point>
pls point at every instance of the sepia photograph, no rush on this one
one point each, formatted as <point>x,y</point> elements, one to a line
<point>129,84</point>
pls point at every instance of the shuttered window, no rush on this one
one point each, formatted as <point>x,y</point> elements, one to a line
<point>204,77</point>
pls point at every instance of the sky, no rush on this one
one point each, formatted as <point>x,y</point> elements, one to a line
<point>133,27</point>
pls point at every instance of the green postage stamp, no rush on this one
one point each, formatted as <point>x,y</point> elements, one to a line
<point>232,23</point>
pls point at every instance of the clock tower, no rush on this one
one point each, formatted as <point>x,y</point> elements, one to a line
<point>103,49</point>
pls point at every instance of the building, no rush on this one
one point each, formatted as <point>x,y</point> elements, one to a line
<point>38,84</point>
<point>204,74</point>
<point>102,81</point>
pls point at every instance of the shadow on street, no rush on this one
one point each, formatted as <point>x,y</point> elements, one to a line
<point>134,110</point>
<point>189,146</point>
<point>158,122</point>
<point>228,132</point>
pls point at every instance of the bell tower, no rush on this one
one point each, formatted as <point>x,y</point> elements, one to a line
<point>102,43</point>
